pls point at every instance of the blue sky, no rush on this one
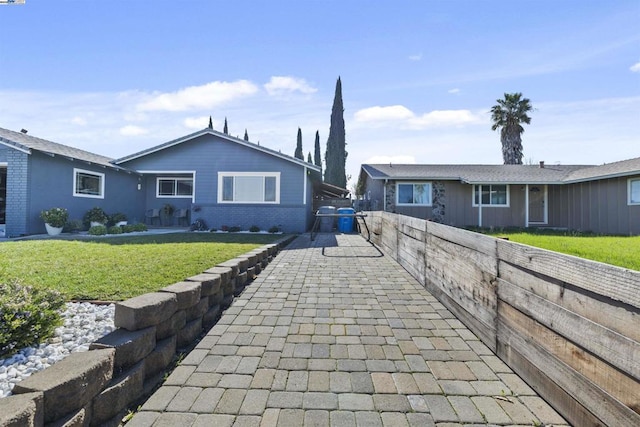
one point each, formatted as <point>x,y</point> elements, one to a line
<point>419,77</point>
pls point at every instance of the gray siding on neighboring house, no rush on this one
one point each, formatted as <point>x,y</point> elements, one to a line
<point>17,193</point>
<point>209,154</point>
<point>51,182</point>
<point>597,206</point>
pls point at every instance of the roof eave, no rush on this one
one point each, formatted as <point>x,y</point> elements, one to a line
<point>15,145</point>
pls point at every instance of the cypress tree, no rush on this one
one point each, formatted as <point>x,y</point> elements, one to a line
<point>336,155</point>
<point>226,128</point>
<point>299,154</point>
<point>309,158</point>
<point>246,135</point>
<point>317,157</point>
<point>210,123</point>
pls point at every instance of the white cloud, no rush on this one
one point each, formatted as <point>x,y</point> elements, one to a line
<point>197,122</point>
<point>415,57</point>
<point>199,97</point>
<point>635,67</point>
<point>77,120</point>
<point>280,85</point>
<point>131,130</point>
<point>401,116</point>
<point>454,91</point>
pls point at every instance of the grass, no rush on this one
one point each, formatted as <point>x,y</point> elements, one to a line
<point>118,268</point>
<point>622,251</point>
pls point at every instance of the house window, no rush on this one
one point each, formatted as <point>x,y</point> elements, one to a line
<point>491,195</point>
<point>413,193</point>
<point>249,187</point>
<point>634,191</point>
<point>88,184</point>
<point>174,187</point>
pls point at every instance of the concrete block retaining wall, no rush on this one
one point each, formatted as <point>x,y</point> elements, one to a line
<point>98,386</point>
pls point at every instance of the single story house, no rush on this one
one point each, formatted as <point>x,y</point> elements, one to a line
<point>602,199</point>
<point>209,175</point>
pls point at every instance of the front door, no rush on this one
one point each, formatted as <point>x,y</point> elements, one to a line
<point>538,204</point>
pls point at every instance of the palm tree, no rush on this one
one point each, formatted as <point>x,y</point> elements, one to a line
<point>508,115</point>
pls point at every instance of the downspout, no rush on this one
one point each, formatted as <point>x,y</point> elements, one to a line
<point>526,206</point>
<point>479,205</point>
<point>304,190</point>
<point>384,195</point>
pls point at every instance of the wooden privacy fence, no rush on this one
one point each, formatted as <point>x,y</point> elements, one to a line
<point>568,326</point>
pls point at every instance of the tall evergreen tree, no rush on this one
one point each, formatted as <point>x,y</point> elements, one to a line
<point>246,135</point>
<point>336,155</point>
<point>309,160</point>
<point>299,154</point>
<point>226,128</point>
<point>317,157</point>
<point>508,115</point>
<point>210,123</point>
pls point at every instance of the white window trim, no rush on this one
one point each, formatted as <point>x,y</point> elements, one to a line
<point>222,175</point>
<point>475,205</point>
<point>88,172</point>
<point>175,178</point>
<point>430,192</point>
<point>629,181</point>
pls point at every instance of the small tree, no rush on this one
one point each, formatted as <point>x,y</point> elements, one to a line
<point>317,157</point>
<point>309,159</point>
<point>246,135</point>
<point>226,128</point>
<point>210,123</point>
<point>299,154</point>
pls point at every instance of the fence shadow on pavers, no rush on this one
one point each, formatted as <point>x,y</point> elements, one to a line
<point>121,369</point>
<point>568,326</point>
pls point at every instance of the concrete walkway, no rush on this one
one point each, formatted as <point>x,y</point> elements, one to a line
<point>334,333</point>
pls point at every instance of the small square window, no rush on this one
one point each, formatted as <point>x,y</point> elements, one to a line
<point>88,184</point>
<point>418,194</point>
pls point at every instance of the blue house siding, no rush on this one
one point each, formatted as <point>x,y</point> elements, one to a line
<point>51,181</point>
<point>209,154</point>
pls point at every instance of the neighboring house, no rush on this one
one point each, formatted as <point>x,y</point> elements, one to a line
<point>602,199</point>
<point>208,174</point>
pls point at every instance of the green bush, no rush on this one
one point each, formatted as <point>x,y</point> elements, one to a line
<point>28,316</point>
<point>140,227</point>
<point>254,229</point>
<point>115,229</point>
<point>55,217</point>
<point>274,229</point>
<point>98,230</point>
<point>96,214</point>
<point>234,229</point>
<point>73,226</point>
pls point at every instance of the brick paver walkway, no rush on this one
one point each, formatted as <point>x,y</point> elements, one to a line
<point>334,333</point>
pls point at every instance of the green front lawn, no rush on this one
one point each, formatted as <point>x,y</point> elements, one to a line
<point>622,251</point>
<point>117,268</point>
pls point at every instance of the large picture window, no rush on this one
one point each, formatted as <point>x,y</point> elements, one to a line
<point>174,187</point>
<point>634,191</point>
<point>491,195</point>
<point>88,184</point>
<point>413,193</point>
<point>248,187</point>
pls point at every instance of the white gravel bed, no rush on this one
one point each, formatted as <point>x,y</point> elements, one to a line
<point>84,323</point>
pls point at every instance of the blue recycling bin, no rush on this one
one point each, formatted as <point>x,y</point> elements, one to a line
<point>345,223</point>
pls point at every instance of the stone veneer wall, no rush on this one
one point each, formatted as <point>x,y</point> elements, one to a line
<point>98,386</point>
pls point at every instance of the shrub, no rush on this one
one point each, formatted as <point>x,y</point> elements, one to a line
<point>199,225</point>
<point>274,229</point>
<point>254,229</point>
<point>55,217</point>
<point>116,218</point>
<point>140,227</point>
<point>115,229</point>
<point>73,226</point>
<point>129,228</point>
<point>96,215</point>
<point>28,316</point>
<point>98,230</point>
<point>224,228</point>
<point>234,229</point>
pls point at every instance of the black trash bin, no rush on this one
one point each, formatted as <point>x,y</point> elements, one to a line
<point>326,222</point>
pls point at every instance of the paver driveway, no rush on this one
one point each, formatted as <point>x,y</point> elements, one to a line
<point>334,333</point>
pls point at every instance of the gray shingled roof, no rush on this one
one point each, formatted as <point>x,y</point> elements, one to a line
<point>219,134</point>
<point>512,174</point>
<point>486,174</point>
<point>26,143</point>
